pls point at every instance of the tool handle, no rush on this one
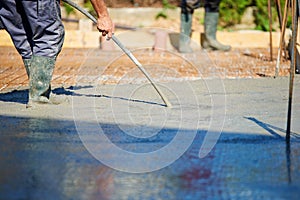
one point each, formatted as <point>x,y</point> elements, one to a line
<point>86,13</point>
<point>141,68</point>
<point>126,51</point>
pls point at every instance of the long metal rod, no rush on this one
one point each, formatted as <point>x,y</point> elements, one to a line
<point>278,7</point>
<point>142,69</point>
<point>279,13</point>
<point>270,27</point>
<point>283,28</point>
<point>125,50</point>
<point>292,68</point>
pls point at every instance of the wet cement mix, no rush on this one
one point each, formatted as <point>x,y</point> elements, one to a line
<point>113,138</point>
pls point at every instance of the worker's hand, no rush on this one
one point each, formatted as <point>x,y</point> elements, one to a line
<point>106,26</point>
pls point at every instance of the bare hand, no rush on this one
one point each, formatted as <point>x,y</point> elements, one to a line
<point>105,26</point>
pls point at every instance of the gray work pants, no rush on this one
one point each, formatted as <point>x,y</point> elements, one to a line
<point>34,26</point>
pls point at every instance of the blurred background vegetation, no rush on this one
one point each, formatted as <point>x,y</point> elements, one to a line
<point>231,11</point>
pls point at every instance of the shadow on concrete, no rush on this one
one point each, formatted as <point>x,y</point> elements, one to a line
<point>270,128</point>
<point>21,96</point>
<point>15,96</point>
<point>71,91</point>
<point>45,159</point>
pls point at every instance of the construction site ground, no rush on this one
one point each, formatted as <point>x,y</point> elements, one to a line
<point>223,137</point>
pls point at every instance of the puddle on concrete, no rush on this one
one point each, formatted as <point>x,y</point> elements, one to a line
<point>45,159</point>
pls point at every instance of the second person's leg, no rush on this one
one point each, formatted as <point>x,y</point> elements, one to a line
<point>211,19</point>
<point>186,17</point>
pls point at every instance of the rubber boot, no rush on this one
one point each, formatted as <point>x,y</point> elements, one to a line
<point>185,33</point>
<point>208,39</point>
<point>41,70</point>
<point>27,64</point>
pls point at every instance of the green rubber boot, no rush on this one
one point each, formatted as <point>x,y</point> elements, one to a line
<point>27,64</point>
<point>41,70</point>
<point>185,33</point>
<point>208,39</point>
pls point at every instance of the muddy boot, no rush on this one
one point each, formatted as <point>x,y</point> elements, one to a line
<point>27,64</point>
<point>185,33</point>
<point>208,39</point>
<point>41,70</point>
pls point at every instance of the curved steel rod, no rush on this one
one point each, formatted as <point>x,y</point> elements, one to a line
<point>125,50</point>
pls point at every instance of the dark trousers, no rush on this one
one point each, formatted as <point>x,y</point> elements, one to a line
<point>188,6</point>
<point>34,26</point>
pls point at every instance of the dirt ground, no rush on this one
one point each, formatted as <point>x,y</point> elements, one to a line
<point>87,66</point>
<point>113,67</point>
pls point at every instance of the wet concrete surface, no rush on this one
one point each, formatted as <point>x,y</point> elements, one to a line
<point>59,152</point>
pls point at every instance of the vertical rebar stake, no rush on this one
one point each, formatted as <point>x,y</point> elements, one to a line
<point>270,27</point>
<point>283,27</point>
<point>292,68</point>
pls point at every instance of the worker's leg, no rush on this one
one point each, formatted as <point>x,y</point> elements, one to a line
<point>48,35</point>
<point>15,22</point>
<point>211,19</point>
<point>186,17</point>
